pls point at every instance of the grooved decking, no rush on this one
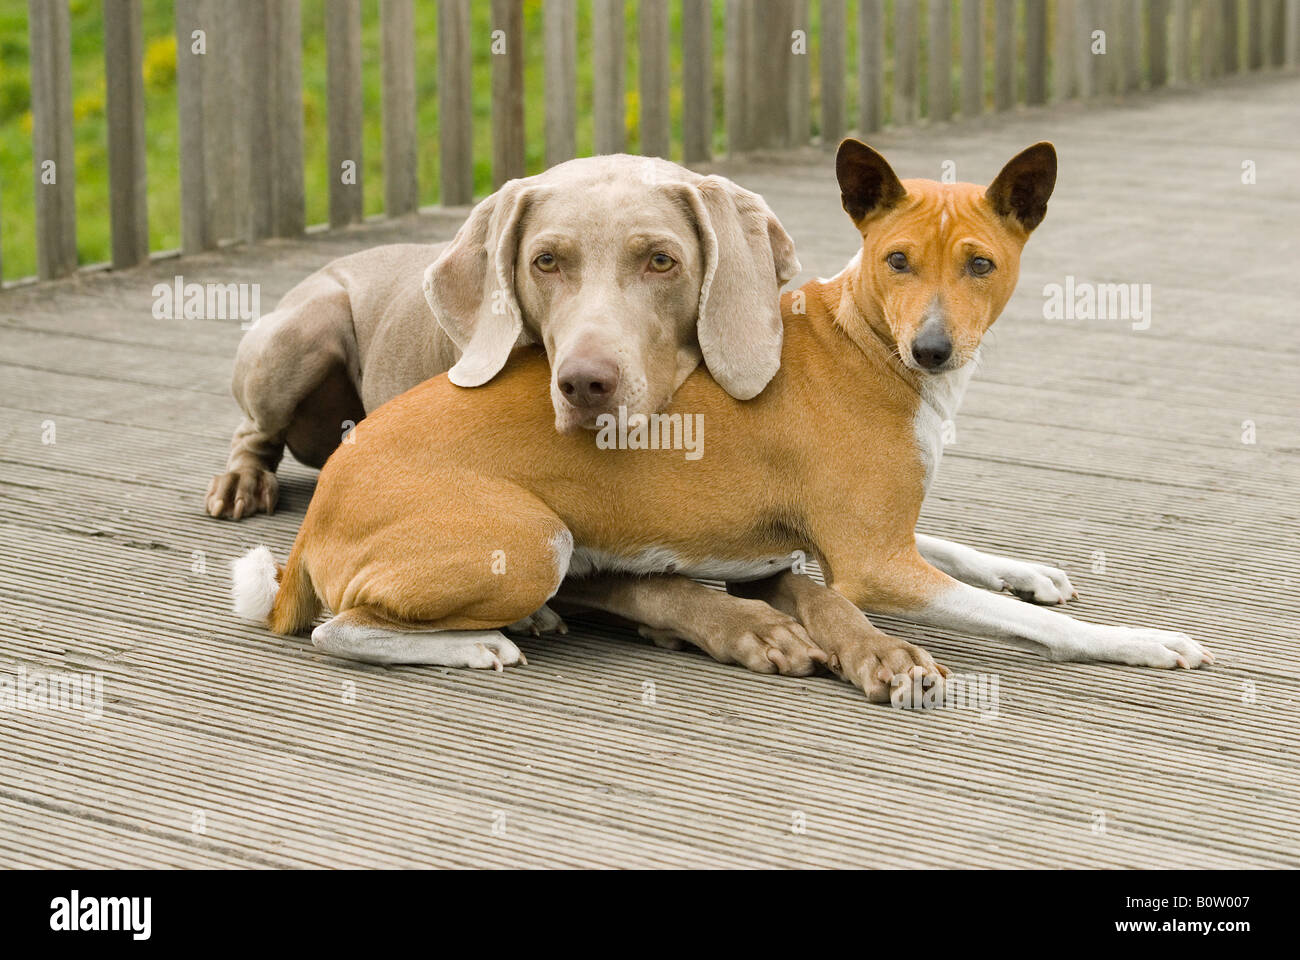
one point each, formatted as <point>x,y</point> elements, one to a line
<point>1078,439</point>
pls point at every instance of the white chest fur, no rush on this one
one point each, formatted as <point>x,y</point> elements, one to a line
<point>941,396</point>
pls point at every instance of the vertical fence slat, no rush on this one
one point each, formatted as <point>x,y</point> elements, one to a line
<point>1004,54</point>
<point>653,77</point>
<point>282,149</point>
<point>871,65</point>
<point>800,86</point>
<point>1180,43</point>
<point>1130,26</point>
<point>697,81</point>
<point>907,55</point>
<point>191,67</point>
<point>256,104</point>
<point>1065,69</point>
<point>1158,42</point>
<point>972,58</point>
<point>1035,51</point>
<point>343,88</point>
<point>833,47</point>
<point>1292,34</point>
<point>939,68</point>
<point>735,82</point>
<point>455,103</point>
<point>607,57</point>
<point>397,68</point>
<point>507,91</point>
<point>52,144</point>
<point>768,71</point>
<point>1088,64</point>
<point>1276,35</point>
<point>561,25</point>
<point>124,114</point>
<point>1211,29</point>
<point>1254,34</point>
<point>1229,36</point>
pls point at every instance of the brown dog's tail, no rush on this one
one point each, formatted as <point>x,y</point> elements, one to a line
<point>283,598</point>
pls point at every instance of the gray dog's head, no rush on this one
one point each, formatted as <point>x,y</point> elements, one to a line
<point>627,270</point>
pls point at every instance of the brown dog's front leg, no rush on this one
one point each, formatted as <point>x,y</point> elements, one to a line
<point>728,628</point>
<point>857,651</point>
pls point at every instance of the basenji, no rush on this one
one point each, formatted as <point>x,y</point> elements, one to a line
<point>461,512</point>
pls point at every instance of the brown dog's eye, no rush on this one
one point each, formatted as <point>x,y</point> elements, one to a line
<point>981,266</point>
<point>546,263</point>
<point>897,261</point>
<point>662,263</point>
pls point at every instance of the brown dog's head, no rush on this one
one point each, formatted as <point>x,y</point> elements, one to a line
<point>939,261</point>
<point>627,270</point>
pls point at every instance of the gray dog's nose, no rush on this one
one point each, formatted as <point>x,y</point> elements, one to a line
<point>932,347</point>
<point>588,382</point>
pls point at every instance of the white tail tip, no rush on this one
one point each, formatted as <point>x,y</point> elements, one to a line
<point>254,584</point>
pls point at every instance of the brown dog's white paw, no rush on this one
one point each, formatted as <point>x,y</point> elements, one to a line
<point>242,493</point>
<point>1036,582</point>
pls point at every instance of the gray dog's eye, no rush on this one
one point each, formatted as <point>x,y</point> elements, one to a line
<point>662,263</point>
<point>981,266</point>
<point>897,261</point>
<point>546,263</point>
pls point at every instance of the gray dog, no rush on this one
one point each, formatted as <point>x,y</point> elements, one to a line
<point>627,270</point>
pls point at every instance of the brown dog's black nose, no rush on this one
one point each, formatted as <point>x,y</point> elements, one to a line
<point>932,347</point>
<point>588,382</point>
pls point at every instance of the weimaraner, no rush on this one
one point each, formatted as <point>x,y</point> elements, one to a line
<point>628,270</point>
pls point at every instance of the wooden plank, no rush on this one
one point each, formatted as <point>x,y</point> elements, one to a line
<point>1065,69</point>
<point>608,70</point>
<point>1088,64</point>
<point>455,103</point>
<point>507,48</point>
<point>1004,54</point>
<point>560,23</point>
<point>1229,36</point>
<point>397,76</point>
<point>907,58</point>
<point>834,45</point>
<point>972,58</point>
<point>124,113</point>
<point>1157,30</point>
<point>653,77</point>
<point>1210,26</point>
<point>799,43</point>
<point>1180,43</point>
<point>697,81</point>
<point>736,90</point>
<point>871,65</point>
<point>53,156</point>
<point>343,91</point>
<point>1035,52</point>
<point>939,68</point>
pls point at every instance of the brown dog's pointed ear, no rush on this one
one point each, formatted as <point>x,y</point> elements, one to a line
<point>1020,192</point>
<point>867,181</point>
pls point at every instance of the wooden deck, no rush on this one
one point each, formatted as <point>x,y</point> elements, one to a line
<point>1081,441</point>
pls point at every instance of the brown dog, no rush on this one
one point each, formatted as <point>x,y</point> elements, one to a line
<point>461,513</point>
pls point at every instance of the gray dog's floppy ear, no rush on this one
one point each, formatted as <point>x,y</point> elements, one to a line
<point>471,287</point>
<point>748,256</point>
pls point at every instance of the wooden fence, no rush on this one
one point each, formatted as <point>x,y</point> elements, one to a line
<point>240,101</point>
